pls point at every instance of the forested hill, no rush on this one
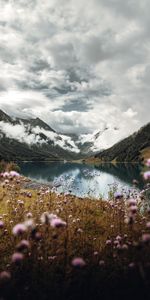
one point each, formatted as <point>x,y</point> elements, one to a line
<point>134,148</point>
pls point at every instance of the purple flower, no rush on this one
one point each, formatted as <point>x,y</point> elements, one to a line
<point>5,276</point>
<point>146,238</point>
<point>19,229</point>
<point>5,174</point>
<point>23,245</point>
<point>108,242</point>
<point>148,162</point>
<point>17,258</point>
<point>14,174</point>
<point>1,224</point>
<point>132,202</point>
<point>118,238</point>
<point>131,265</point>
<point>57,223</point>
<point>148,225</point>
<point>78,262</point>
<point>146,175</point>
<point>118,195</point>
<point>133,209</point>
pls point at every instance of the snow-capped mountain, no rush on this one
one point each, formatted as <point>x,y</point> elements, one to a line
<point>99,140</point>
<point>34,139</point>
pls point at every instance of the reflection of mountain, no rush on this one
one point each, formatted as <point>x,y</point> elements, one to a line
<point>77,175</point>
<point>48,171</point>
<point>124,172</point>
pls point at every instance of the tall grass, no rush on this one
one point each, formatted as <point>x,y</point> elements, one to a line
<point>65,247</point>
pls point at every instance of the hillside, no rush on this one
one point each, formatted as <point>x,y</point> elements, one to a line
<point>33,139</point>
<point>134,148</point>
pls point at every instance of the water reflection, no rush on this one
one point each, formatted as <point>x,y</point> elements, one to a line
<point>84,180</point>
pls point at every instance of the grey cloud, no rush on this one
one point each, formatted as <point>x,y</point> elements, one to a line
<point>78,68</point>
<point>77,105</point>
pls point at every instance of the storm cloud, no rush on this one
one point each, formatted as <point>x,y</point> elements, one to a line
<point>78,65</point>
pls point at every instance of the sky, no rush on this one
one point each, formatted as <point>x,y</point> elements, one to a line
<point>79,65</point>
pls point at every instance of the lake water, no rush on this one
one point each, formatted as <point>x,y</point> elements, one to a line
<point>84,180</point>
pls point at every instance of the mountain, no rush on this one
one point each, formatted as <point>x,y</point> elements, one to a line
<point>99,140</point>
<point>33,139</point>
<point>134,148</point>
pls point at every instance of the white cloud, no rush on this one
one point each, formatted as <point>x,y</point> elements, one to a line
<point>19,133</point>
<point>76,73</point>
<point>31,135</point>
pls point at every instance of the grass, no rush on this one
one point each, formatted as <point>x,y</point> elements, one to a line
<point>114,249</point>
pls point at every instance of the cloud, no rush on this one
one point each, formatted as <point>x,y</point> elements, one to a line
<point>19,133</point>
<point>32,136</point>
<point>76,73</point>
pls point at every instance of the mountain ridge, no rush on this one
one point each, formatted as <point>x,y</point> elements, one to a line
<point>33,139</point>
<point>134,148</point>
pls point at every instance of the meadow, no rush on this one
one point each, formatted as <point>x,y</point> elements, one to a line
<point>62,247</point>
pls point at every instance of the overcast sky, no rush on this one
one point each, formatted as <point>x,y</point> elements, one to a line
<point>77,64</point>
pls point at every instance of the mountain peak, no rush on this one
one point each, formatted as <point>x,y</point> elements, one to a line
<point>38,122</point>
<point>4,117</point>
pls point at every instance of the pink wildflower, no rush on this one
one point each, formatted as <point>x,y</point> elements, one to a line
<point>146,175</point>
<point>1,224</point>
<point>23,245</point>
<point>78,262</point>
<point>57,223</point>
<point>148,162</point>
<point>17,258</point>
<point>19,229</point>
<point>118,195</point>
<point>5,276</point>
<point>146,238</point>
<point>14,174</point>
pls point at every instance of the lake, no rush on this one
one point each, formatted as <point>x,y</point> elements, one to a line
<point>84,180</point>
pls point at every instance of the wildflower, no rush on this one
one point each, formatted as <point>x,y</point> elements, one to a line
<point>130,220</point>
<point>118,238</point>
<point>45,218</point>
<point>57,223</point>
<point>95,253</point>
<point>118,195</point>
<point>29,224</point>
<point>125,247</point>
<point>19,229</point>
<point>5,174</point>
<point>131,265</point>
<point>1,224</point>
<point>29,215</point>
<point>5,276</point>
<point>135,181</point>
<point>17,258</point>
<point>146,238</point>
<point>38,236</point>
<point>14,174</point>
<point>146,175</point>
<point>133,209</point>
<point>101,263</point>
<point>132,202</point>
<point>78,262</point>
<point>148,225</point>
<point>108,242</point>
<point>148,162</point>
<point>23,245</point>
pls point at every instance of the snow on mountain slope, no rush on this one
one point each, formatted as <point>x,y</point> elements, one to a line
<point>35,132</point>
<point>100,140</point>
<point>25,133</point>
